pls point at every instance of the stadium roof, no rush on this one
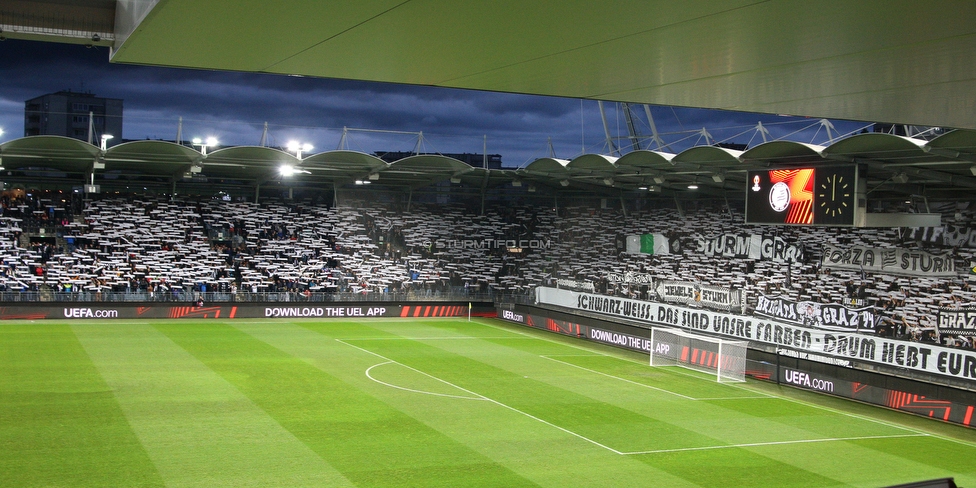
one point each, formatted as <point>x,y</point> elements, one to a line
<point>892,61</point>
<point>892,166</point>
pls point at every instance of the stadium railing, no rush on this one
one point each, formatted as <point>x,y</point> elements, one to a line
<point>242,297</point>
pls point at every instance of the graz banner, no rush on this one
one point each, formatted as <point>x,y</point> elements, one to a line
<point>696,295</point>
<point>928,358</point>
<point>959,322</point>
<point>630,278</point>
<point>574,285</point>
<point>754,246</point>
<point>818,315</point>
<point>891,261</point>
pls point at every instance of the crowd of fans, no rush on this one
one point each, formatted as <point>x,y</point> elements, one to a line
<point>159,248</point>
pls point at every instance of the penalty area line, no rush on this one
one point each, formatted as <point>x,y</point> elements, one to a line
<point>496,402</point>
<point>774,443</point>
<point>621,379</point>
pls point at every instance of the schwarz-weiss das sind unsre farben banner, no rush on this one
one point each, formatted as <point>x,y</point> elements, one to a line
<point>929,358</point>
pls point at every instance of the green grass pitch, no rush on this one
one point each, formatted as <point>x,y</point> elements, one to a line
<point>442,402</point>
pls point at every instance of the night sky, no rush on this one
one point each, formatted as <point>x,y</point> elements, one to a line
<point>234,107</point>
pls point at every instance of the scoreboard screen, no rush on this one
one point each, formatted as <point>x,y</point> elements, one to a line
<point>802,196</point>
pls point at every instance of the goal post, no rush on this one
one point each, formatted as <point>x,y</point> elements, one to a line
<point>723,358</point>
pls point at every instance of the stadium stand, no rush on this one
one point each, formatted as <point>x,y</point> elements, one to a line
<point>158,248</point>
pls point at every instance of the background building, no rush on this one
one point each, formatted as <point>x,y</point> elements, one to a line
<point>66,113</point>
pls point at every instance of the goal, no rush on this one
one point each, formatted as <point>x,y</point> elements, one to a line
<point>723,358</point>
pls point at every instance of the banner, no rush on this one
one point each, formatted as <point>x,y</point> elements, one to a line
<point>913,356</point>
<point>906,399</point>
<point>697,295</point>
<point>886,260</point>
<point>948,235</point>
<point>745,246</point>
<point>648,244</point>
<point>574,285</point>
<point>959,322</point>
<point>818,315</point>
<point>630,278</point>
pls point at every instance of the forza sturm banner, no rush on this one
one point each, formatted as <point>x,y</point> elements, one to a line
<point>929,358</point>
<point>891,261</point>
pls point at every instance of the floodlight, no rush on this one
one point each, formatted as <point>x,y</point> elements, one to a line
<point>718,178</point>
<point>608,181</point>
<point>693,186</point>
<point>210,142</point>
<point>659,179</point>
<point>298,148</point>
<point>972,169</point>
<point>516,183</point>
<point>105,139</point>
<point>374,176</point>
<point>564,182</point>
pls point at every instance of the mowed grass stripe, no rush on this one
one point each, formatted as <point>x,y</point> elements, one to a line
<point>59,422</point>
<point>504,376</point>
<point>752,420</point>
<point>546,456</point>
<point>370,442</point>
<point>616,382</point>
<point>196,427</point>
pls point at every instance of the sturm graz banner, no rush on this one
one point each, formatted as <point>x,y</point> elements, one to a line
<point>696,295</point>
<point>959,322</point>
<point>891,261</point>
<point>754,246</point>
<point>818,315</point>
<point>630,278</point>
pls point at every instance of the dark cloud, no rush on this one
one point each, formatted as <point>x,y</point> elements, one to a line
<point>235,106</point>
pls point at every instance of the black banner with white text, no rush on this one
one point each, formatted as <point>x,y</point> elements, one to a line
<point>929,358</point>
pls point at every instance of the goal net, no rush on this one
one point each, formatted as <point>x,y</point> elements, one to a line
<point>723,358</point>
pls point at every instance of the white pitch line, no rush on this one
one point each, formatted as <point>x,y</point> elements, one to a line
<point>619,378</point>
<point>752,390</point>
<point>412,390</point>
<point>496,402</point>
<point>774,443</point>
<point>552,356</point>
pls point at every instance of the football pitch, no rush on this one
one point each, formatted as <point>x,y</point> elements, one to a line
<point>435,402</point>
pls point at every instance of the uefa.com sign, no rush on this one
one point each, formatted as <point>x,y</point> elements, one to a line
<point>88,313</point>
<point>805,380</point>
